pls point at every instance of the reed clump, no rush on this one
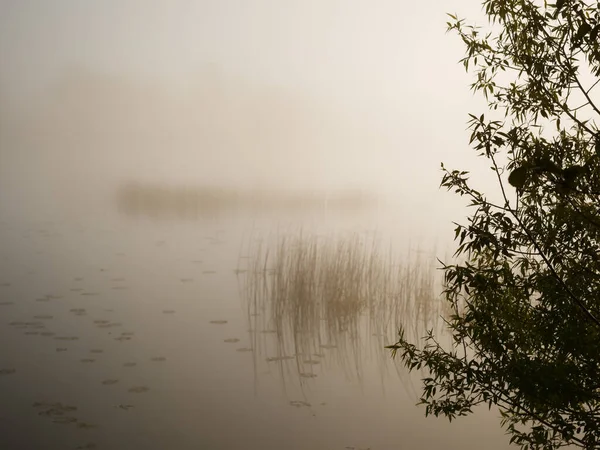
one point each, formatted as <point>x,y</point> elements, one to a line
<point>341,293</point>
<point>162,201</point>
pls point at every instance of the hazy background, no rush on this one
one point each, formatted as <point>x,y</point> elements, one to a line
<point>247,94</point>
<point>119,120</point>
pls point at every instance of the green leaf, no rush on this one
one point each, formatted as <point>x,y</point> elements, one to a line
<point>594,33</point>
<point>518,177</point>
<point>584,29</point>
<point>559,5</point>
<point>570,174</point>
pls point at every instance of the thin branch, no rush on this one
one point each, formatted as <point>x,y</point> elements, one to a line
<point>585,93</point>
<point>550,266</point>
<point>593,86</point>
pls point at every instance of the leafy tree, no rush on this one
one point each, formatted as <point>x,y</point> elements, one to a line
<point>525,324</point>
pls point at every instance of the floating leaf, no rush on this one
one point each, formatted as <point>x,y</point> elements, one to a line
<point>300,403</point>
<point>65,420</point>
<point>124,407</point>
<point>139,389</point>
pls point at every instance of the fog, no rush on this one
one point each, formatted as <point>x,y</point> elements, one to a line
<point>247,95</point>
<point>215,215</point>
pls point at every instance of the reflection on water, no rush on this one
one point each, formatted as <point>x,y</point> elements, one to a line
<point>229,336</point>
<point>313,300</point>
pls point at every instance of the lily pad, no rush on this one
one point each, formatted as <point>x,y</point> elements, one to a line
<point>139,389</point>
<point>110,381</point>
<point>124,407</point>
<point>109,325</point>
<point>158,359</point>
<point>7,371</point>
<point>300,403</point>
<point>6,303</point>
<point>218,322</point>
<point>65,420</point>
<point>231,340</point>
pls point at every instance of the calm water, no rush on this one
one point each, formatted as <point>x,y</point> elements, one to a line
<point>135,333</point>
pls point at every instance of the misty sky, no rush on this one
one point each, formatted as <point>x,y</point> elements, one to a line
<point>310,93</point>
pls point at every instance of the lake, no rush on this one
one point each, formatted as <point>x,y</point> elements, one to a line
<point>240,329</point>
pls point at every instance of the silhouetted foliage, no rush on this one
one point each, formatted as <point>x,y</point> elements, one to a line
<point>526,300</point>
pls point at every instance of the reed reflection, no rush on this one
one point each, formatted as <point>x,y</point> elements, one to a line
<point>316,302</point>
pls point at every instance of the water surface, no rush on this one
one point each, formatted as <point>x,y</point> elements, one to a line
<point>156,333</point>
